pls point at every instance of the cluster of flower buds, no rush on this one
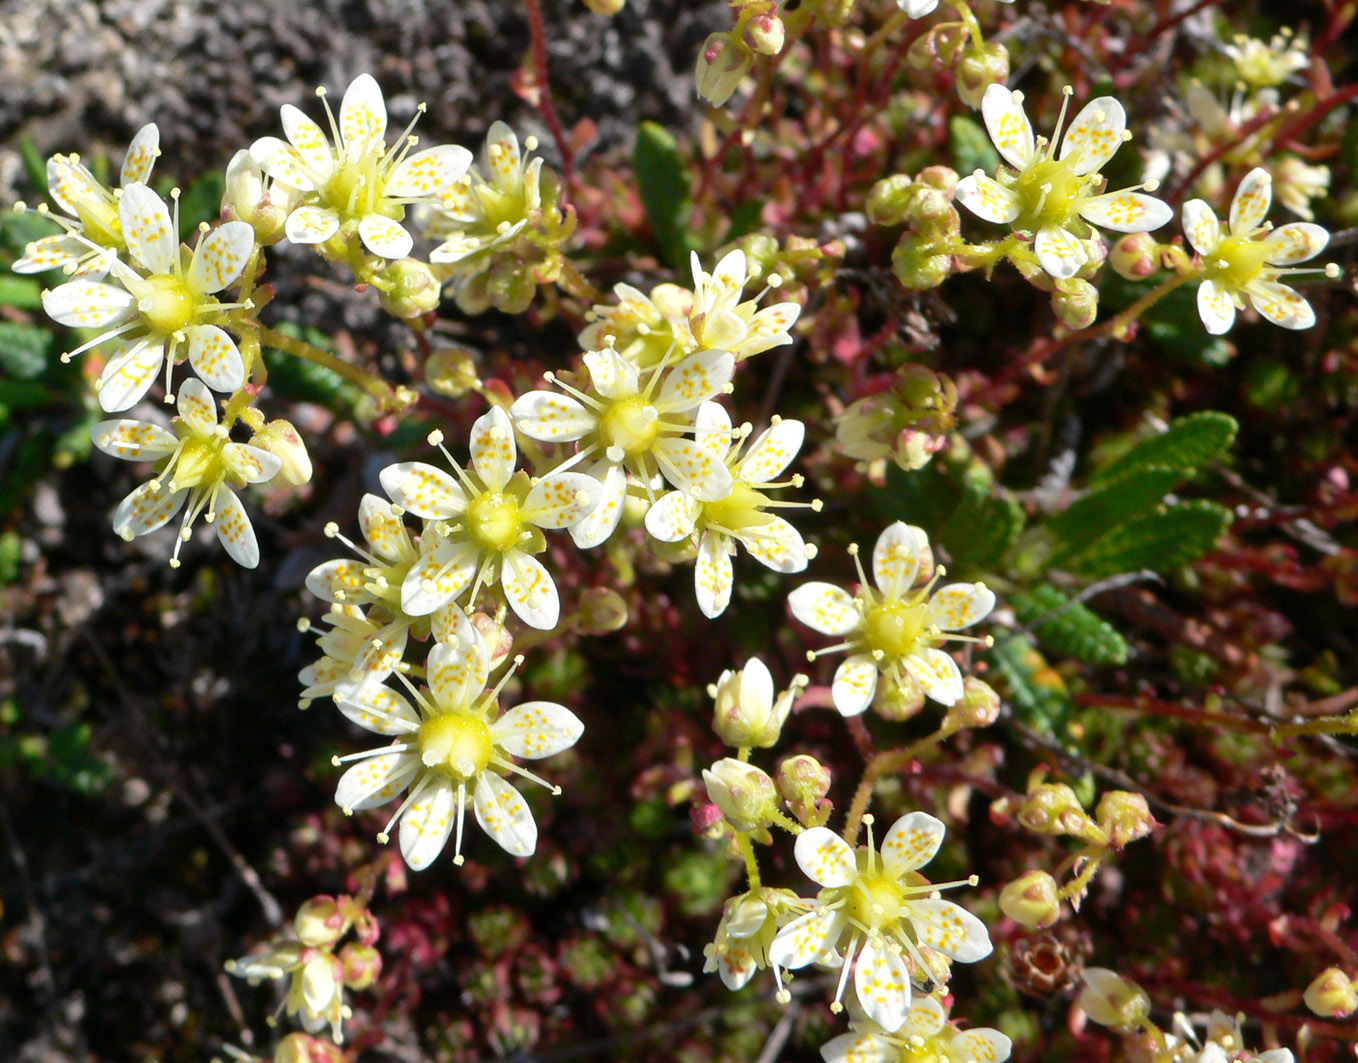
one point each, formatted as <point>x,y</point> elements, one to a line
<point>976,63</point>
<point>726,57</point>
<point>924,204</point>
<point>907,422</point>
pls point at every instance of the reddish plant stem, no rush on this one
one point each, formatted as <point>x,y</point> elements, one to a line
<point>1168,708</point>
<point>537,29</point>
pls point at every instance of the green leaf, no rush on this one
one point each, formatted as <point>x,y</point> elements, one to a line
<point>23,350</point>
<point>1103,508</point>
<point>745,218</point>
<point>1069,628</point>
<point>664,188</point>
<point>202,202</point>
<point>1037,692</point>
<point>982,528</point>
<point>1189,443</point>
<point>22,292</point>
<point>298,378</point>
<point>34,164</point>
<point>1160,541</point>
<point>971,147</point>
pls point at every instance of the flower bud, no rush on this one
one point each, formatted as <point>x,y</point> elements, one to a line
<point>835,12</point>
<point>979,69</point>
<point>1031,899</point>
<point>705,816</point>
<point>1135,256</point>
<point>410,289</point>
<point>319,922</point>
<point>1296,183</point>
<point>498,639</point>
<point>1124,816</point>
<point>937,50</point>
<point>747,713</point>
<point>803,783</point>
<point>1075,303</point>
<point>979,706</point>
<point>1111,1000</point>
<point>281,439</point>
<point>303,1048</point>
<point>451,371</point>
<point>1331,995</point>
<point>917,264</point>
<point>721,64</point>
<point>766,33</point>
<point>900,698</point>
<point>889,199</point>
<point>511,286</point>
<point>261,204</point>
<point>1053,809</point>
<point>746,796</point>
<point>601,611</point>
<point>606,8</point>
<point>361,963</point>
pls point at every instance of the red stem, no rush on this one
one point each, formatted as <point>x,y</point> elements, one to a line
<point>538,32</point>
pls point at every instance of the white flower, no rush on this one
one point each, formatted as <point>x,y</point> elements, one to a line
<point>747,712</point>
<point>197,464</point>
<point>878,916</point>
<point>1054,194</point>
<point>748,926</point>
<point>166,305</point>
<point>642,328</point>
<point>925,1035</point>
<point>721,318</point>
<point>894,629</point>
<point>353,646</point>
<point>315,992</point>
<point>642,425</point>
<point>1263,64</point>
<point>93,233</point>
<point>484,530</point>
<point>452,744</point>
<point>1246,260</point>
<point>738,516</point>
<point>352,180</point>
<point>920,8</point>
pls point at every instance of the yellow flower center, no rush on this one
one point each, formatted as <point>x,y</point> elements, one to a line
<point>167,304</point>
<point>493,520</point>
<point>199,463</point>
<point>357,188</point>
<point>740,509</point>
<point>895,627</point>
<point>456,744</point>
<point>875,899</point>
<point>631,424</point>
<point>1049,192</point>
<point>1237,261</point>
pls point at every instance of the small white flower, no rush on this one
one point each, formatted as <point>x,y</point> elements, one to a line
<point>722,318</point>
<point>1055,195</point>
<point>895,629</point>
<point>747,711</point>
<point>165,304</point>
<point>749,923</point>
<point>920,8</point>
<point>352,647</point>
<point>740,515</point>
<point>483,530</point>
<point>197,464</point>
<point>878,916</point>
<point>315,993</point>
<point>924,1035</point>
<point>452,745</point>
<point>352,180</point>
<point>1263,64</point>
<point>1246,259</point>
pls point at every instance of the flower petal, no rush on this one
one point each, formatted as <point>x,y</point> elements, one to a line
<point>88,304</point>
<point>220,256</point>
<point>141,156</point>
<point>984,1045</point>
<point>423,490</point>
<point>551,418</point>
<point>772,451</point>
<point>254,465</point>
<point>860,1046</point>
<point>49,252</point>
<point>808,937</point>
<point>504,815</point>
<point>1060,253</point>
<point>951,929</point>
<point>282,162</point>
<point>1295,242</point>
<point>147,508</point>
<point>561,499</point>
<point>310,142</point>
<point>937,674</point>
<point>825,857</point>
<point>855,684</point>
<point>382,652</point>
<point>603,519</point>
<point>129,374</point>
<point>925,1019</point>
<point>777,545</point>
<point>234,530</point>
<point>712,429</point>
<point>439,576</point>
<point>1282,305</point>
<point>363,113</point>
<point>712,575</point>
<point>896,558</point>
<point>458,673</point>
<point>312,225</point>
<point>537,729</point>
<point>375,781</point>
<point>1252,199</point>
<point>340,580</point>
<point>988,199</point>
<point>215,358</point>
<point>133,440</point>
<point>1095,135</point>
<point>693,468</point>
<point>530,591</point>
<point>769,328</point>
<point>197,406</point>
<point>911,842</point>
<point>612,375</point>
<point>1002,110</point>
<point>501,155</point>
<point>959,605</point>
<point>384,237</point>
<point>672,517</point>
<point>147,228</point>
<point>449,624</point>
<point>882,982</point>
<point>756,686</point>
<point>695,380</point>
<point>825,608</point>
<point>426,824</point>
<point>384,531</point>
<point>1126,212</point>
<point>428,172</point>
<point>1215,307</point>
<point>494,454</point>
<point>376,707</point>
<point>1201,226</point>
<point>736,964</point>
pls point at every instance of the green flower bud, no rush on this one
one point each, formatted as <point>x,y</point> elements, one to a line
<point>251,198</point>
<point>411,289</point>
<point>280,438</point>
<point>889,200</point>
<point>319,922</point>
<point>917,264</point>
<point>979,705</point>
<point>602,611</point>
<point>1053,809</point>
<point>510,286</point>
<point>1111,1000</point>
<point>1075,303</point>
<point>766,33</point>
<point>451,371</point>
<point>803,783</point>
<point>898,700</point>
<point>1124,816</point>
<point>1031,900</point>
<point>1135,256</point>
<point>721,65</point>
<point>937,50</point>
<point>362,964</point>
<point>1331,995</point>
<point>605,7</point>
<point>979,69</point>
<point>746,796</point>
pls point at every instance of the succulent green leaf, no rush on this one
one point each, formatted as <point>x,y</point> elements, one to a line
<point>982,528</point>
<point>23,350</point>
<point>971,147</point>
<point>664,188</point>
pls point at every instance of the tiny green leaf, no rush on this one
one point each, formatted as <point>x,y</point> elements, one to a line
<point>1189,443</point>
<point>1069,628</point>
<point>971,147</point>
<point>664,188</point>
<point>1037,691</point>
<point>1160,541</point>
<point>23,350</point>
<point>1125,498</point>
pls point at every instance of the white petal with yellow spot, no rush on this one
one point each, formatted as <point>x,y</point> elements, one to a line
<point>537,729</point>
